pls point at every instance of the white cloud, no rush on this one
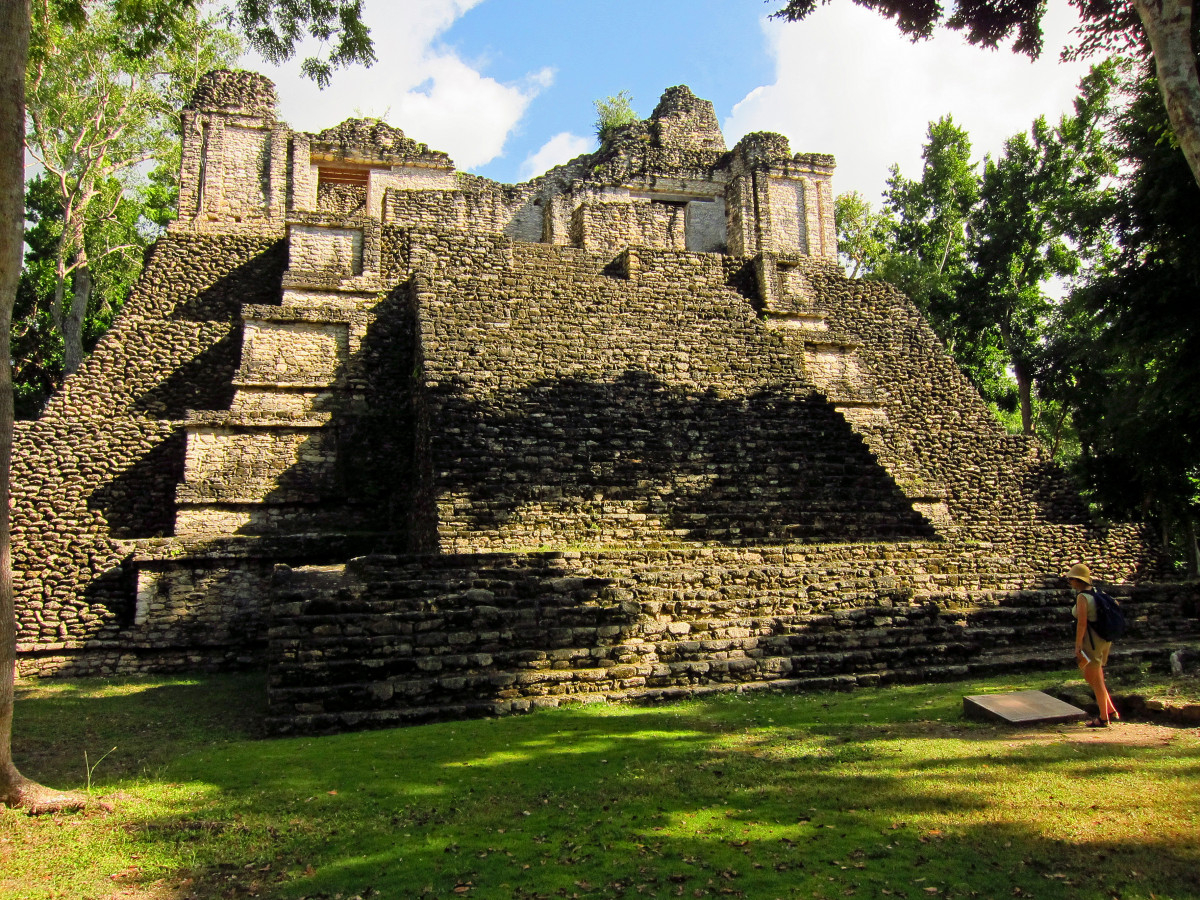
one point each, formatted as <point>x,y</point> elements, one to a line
<point>848,83</point>
<point>561,148</point>
<point>425,88</point>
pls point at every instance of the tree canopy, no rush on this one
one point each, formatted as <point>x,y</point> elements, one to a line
<point>1109,374</point>
<point>1128,354</point>
<point>1161,29</point>
<point>98,113</point>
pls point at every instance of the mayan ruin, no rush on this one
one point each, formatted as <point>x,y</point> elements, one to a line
<point>424,445</point>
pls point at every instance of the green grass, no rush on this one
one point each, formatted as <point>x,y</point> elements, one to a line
<point>876,793</point>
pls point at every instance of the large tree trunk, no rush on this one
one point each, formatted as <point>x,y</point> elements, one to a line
<point>1193,548</point>
<point>14,24</point>
<point>72,327</point>
<point>1025,393</point>
<point>1168,25</point>
<point>15,790</point>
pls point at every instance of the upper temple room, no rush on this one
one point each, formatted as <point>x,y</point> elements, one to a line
<point>666,182</point>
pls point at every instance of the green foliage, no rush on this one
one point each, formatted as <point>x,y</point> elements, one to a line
<point>612,113</point>
<point>1037,219</point>
<point>978,247</point>
<point>918,242</point>
<point>104,127</point>
<point>116,244</point>
<point>275,27</point>
<point>825,794</point>
<point>862,233</point>
<point>927,256</point>
<point>1128,355</point>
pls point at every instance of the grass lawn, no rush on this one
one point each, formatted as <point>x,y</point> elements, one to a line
<point>875,793</point>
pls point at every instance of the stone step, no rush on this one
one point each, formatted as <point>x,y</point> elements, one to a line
<point>380,705</point>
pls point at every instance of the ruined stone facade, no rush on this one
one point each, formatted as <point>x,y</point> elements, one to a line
<point>431,445</point>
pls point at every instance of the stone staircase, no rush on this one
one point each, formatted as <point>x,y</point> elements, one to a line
<point>569,415</point>
<point>312,461</point>
<point>275,462</point>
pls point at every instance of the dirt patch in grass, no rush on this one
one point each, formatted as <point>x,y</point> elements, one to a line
<point>1124,733</point>
<point>1129,734</point>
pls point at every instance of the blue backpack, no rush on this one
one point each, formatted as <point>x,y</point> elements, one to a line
<point>1110,621</point>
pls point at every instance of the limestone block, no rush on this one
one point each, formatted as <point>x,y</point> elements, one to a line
<point>822,228</point>
<point>607,225</point>
<point>245,162</point>
<point>937,512</point>
<point>293,353</point>
<point>147,589</point>
<point>281,404</point>
<point>406,178</point>
<point>705,226</point>
<point>861,417</point>
<point>789,219</point>
<point>255,465</point>
<point>795,285</point>
<point>831,364</point>
<point>316,248</point>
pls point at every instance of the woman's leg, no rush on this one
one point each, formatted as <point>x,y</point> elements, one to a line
<point>1112,710</point>
<point>1093,673</point>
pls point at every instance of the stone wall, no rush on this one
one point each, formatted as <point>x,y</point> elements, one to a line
<point>381,642</point>
<point>102,462</point>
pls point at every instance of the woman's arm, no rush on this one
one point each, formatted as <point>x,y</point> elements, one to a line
<point>1081,622</point>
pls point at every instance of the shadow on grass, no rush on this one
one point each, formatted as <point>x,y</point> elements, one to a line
<point>770,796</point>
<point>148,720</point>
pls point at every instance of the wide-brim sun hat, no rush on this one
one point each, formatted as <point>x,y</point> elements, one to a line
<point>1081,572</point>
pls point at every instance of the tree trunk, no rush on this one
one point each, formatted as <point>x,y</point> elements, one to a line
<point>72,327</point>
<point>1025,392</point>
<point>1168,25</point>
<point>1193,548</point>
<point>15,790</point>
<point>14,24</point>
<point>70,247</point>
<point>60,290</point>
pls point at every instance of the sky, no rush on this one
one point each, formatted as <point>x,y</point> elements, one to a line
<point>506,87</point>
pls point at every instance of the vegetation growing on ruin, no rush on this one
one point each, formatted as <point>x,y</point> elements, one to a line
<point>871,793</point>
<point>612,113</point>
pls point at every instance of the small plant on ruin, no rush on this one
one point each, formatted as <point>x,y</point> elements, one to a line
<point>612,113</point>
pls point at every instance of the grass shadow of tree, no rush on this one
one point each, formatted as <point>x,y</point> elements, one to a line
<point>756,797</point>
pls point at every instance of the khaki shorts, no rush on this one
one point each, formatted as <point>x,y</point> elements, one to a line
<point>1096,648</point>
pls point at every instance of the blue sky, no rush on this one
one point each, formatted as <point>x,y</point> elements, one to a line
<point>598,49</point>
<point>506,86</point>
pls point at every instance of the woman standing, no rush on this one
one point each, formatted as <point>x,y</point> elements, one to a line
<point>1091,651</point>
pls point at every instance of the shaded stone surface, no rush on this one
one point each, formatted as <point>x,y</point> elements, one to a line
<point>1020,708</point>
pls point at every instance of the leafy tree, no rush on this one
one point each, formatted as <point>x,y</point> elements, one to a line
<point>928,254</point>
<point>862,233</point>
<point>99,110</point>
<point>1037,216</point>
<point>976,247</point>
<point>1128,356</point>
<point>274,26</point>
<point>612,113</point>
<point>114,247</point>
<point>918,242</point>
<point>1162,29</point>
